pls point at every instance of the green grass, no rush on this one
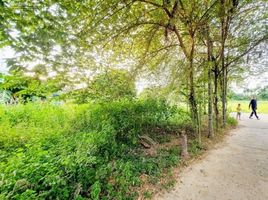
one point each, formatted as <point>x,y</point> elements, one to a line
<point>262,106</point>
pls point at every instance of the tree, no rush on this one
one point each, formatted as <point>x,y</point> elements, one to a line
<point>24,87</point>
<point>263,93</point>
<point>111,85</point>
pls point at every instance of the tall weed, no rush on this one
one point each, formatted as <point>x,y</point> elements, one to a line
<point>78,151</point>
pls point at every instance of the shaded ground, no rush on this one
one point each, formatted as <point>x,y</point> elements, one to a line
<point>236,170</point>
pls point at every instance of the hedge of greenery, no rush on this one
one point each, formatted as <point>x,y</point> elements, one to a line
<point>80,151</point>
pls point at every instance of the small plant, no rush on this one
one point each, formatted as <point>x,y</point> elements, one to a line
<point>169,184</point>
<point>147,195</point>
<point>232,121</point>
<point>194,147</point>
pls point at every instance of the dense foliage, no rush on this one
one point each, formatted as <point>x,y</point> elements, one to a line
<point>85,151</point>
<point>114,84</point>
<point>25,88</point>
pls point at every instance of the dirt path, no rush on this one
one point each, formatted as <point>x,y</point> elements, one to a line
<point>235,170</point>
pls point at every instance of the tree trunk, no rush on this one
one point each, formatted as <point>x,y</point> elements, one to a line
<point>224,99</point>
<point>224,78</point>
<point>224,73</point>
<point>184,152</point>
<point>204,112</point>
<point>210,109</point>
<point>193,105</point>
<point>216,99</point>
<point>190,58</point>
<point>192,99</point>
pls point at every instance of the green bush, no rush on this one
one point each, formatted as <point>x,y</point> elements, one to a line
<point>232,121</point>
<point>78,152</point>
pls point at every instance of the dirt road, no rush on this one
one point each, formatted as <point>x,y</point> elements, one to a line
<point>236,170</point>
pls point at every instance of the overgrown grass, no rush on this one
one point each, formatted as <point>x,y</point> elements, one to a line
<point>85,151</point>
<point>262,106</point>
<point>231,121</point>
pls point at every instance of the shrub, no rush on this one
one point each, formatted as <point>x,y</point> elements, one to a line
<point>232,121</point>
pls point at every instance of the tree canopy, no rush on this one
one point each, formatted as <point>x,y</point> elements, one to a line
<point>189,45</point>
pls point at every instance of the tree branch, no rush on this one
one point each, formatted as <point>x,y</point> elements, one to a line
<point>181,42</point>
<point>248,50</point>
<point>206,12</point>
<point>157,5</point>
<point>163,48</point>
<point>126,29</point>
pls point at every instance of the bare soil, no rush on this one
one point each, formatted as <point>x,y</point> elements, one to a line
<point>237,169</point>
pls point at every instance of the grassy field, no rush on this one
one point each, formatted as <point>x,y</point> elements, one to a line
<point>262,106</point>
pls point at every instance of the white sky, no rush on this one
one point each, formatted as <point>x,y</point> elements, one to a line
<point>5,53</point>
<point>252,83</point>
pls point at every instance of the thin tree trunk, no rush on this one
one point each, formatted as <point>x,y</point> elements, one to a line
<point>192,99</point>
<point>204,101</point>
<point>225,21</point>
<point>193,104</point>
<point>210,60</point>
<point>224,77</point>
<point>210,109</point>
<point>216,99</point>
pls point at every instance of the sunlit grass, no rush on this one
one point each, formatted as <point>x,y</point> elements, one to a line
<point>262,106</point>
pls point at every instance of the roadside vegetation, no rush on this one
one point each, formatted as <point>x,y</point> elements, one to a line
<point>87,146</point>
<point>85,151</point>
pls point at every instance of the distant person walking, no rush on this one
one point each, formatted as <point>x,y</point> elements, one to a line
<point>253,105</point>
<point>238,109</point>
